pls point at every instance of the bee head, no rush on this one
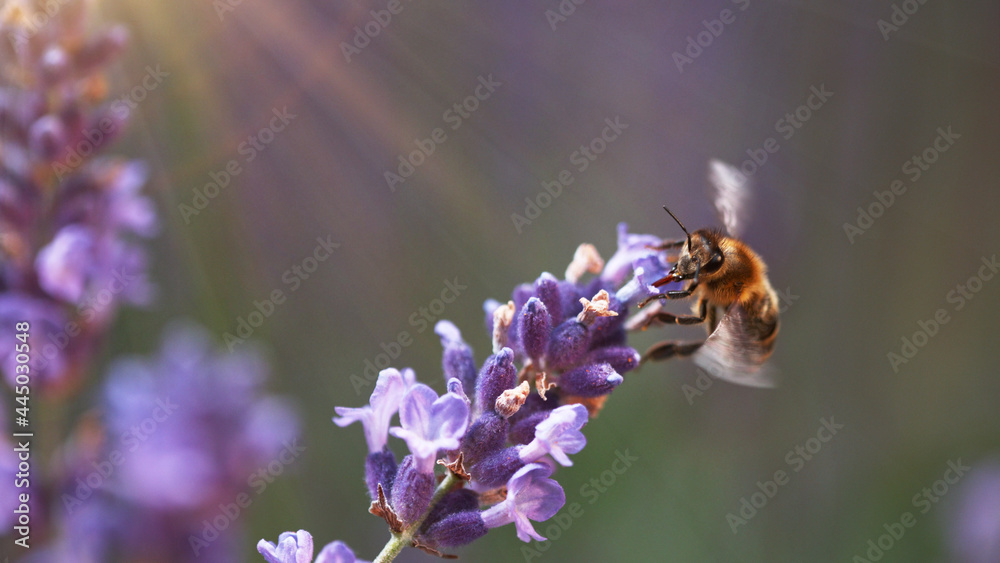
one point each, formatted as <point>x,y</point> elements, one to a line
<point>700,254</point>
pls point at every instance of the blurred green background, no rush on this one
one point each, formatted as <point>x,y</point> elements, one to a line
<point>231,65</point>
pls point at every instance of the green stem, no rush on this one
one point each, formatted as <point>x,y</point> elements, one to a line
<point>403,539</point>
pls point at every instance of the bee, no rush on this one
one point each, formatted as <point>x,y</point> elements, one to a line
<point>725,274</point>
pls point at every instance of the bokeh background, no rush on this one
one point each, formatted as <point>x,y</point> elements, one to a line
<point>232,64</point>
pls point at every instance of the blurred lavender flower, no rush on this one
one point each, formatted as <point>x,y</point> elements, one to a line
<point>975,525</point>
<point>68,218</point>
<point>187,430</point>
<point>224,427</point>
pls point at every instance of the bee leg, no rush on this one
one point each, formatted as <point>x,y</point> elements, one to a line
<point>668,318</point>
<point>669,349</point>
<point>680,294</point>
<point>713,319</point>
<point>677,294</point>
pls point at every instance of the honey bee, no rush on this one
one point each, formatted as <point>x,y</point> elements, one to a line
<point>725,274</point>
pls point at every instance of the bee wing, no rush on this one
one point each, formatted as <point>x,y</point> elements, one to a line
<point>730,191</point>
<point>737,350</point>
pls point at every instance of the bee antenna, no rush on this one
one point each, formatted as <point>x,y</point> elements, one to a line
<point>681,225</point>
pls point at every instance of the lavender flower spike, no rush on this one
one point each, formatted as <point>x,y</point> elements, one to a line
<point>292,547</point>
<point>531,495</point>
<point>384,403</point>
<point>558,435</point>
<point>430,423</point>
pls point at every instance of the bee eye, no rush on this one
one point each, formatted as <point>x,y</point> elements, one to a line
<point>713,264</point>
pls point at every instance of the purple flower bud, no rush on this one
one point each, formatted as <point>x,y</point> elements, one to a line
<point>380,469</point>
<point>496,469</point>
<point>570,294</point>
<point>547,289</point>
<point>531,495</point>
<point>592,380</point>
<point>101,50</point>
<point>54,65</point>
<point>521,294</point>
<point>498,375</point>
<point>337,552</point>
<point>64,264</point>
<point>459,500</point>
<point>534,326</point>
<point>411,491</point>
<point>455,386</point>
<point>621,358</point>
<point>292,547</point>
<point>610,331</point>
<point>486,435</point>
<point>457,360</point>
<point>47,137</point>
<point>567,345</point>
<point>523,431</point>
<point>457,529</point>
<point>558,435</point>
